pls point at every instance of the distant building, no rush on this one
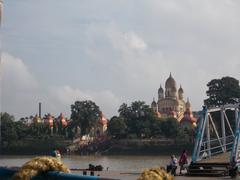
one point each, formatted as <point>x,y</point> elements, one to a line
<point>37,119</point>
<point>49,122</point>
<point>62,120</point>
<point>171,101</point>
<point>188,117</point>
<point>100,128</point>
<point>1,10</point>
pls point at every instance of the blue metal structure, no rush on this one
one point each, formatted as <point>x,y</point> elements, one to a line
<point>212,139</point>
<point>217,146</point>
<point>235,154</point>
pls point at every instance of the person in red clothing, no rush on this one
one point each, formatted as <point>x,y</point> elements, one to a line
<point>183,162</point>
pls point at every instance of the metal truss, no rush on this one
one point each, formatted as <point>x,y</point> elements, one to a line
<point>216,136</point>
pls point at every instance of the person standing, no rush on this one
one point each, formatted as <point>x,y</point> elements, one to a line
<point>56,153</point>
<point>172,167</point>
<point>183,162</point>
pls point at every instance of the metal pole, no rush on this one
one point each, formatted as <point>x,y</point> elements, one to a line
<point>216,132</point>
<point>235,147</point>
<point>228,123</point>
<point>223,129</point>
<point>236,117</point>
<point>199,135</point>
<point>208,137</point>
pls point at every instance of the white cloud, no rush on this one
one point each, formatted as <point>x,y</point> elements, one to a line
<point>21,93</point>
<point>125,41</point>
<point>124,51</point>
<point>106,100</point>
<point>68,95</point>
<point>15,74</point>
<point>134,41</point>
<point>19,88</point>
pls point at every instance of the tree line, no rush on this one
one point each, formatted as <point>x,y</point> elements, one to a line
<point>139,121</point>
<point>136,120</point>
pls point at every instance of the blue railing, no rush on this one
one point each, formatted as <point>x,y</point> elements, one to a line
<point>199,134</point>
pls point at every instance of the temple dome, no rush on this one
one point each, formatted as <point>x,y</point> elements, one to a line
<point>170,82</point>
<point>160,90</point>
<point>188,105</point>
<point>102,120</point>
<point>180,90</point>
<point>154,104</point>
<point>63,120</point>
<point>188,117</point>
<point>37,119</point>
<point>49,120</point>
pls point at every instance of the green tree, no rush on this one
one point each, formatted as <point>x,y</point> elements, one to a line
<point>170,127</point>
<point>85,115</point>
<point>223,91</point>
<point>117,126</point>
<point>157,127</point>
<point>22,129</point>
<point>185,134</point>
<point>138,117</point>
<point>8,131</point>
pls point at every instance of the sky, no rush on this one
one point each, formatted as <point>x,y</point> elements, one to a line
<point>111,52</point>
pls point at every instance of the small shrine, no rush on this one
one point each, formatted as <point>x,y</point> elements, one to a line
<point>37,119</point>
<point>188,118</point>
<point>63,120</point>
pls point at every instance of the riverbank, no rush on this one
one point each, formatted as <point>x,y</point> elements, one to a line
<point>116,147</point>
<point>34,146</point>
<point>147,147</point>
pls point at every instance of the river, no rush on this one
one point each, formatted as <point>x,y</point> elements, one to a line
<point>122,167</point>
<point>122,163</point>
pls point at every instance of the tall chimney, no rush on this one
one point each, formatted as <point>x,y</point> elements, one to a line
<point>40,110</point>
<point>1,9</point>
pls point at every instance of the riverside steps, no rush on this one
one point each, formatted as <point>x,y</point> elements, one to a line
<point>216,149</point>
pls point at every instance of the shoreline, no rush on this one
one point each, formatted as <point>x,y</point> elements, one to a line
<point>123,147</point>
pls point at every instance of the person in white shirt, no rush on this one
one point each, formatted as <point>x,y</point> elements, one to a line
<point>172,165</point>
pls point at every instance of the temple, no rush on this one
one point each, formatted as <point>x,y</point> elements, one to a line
<point>171,102</point>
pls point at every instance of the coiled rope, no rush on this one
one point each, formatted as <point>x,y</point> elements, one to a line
<point>39,165</point>
<point>155,174</point>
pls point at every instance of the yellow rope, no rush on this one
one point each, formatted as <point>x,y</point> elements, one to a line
<point>38,165</point>
<point>155,174</point>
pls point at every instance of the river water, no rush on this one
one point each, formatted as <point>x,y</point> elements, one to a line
<point>122,167</point>
<point>122,163</point>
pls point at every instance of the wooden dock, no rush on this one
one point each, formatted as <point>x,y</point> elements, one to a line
<point>221,158</point>
<point>215,166</point>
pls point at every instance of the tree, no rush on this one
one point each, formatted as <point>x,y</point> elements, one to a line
<point>157,127</point>
<point>85,115</point>
<point>170,127</point>
<point>138,117</point>
<point>21,128</point>
<point>117,127</point>
<point>8,131</point>
<point>223,91</point>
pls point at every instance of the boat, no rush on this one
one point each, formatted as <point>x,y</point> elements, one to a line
<point>7,174</point>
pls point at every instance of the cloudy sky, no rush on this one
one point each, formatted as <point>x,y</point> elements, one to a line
<point>58,51</point>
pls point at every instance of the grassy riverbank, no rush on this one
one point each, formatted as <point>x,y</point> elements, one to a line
<point>118,147</point>
<point>148,150</point>
<point>34,146</point>
<point>147,147</point>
